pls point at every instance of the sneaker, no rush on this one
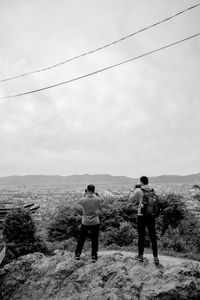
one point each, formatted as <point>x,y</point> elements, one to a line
<point>94,258</point>
<point>139,258</point>
<point>156,261</point>
<point>77,256</point>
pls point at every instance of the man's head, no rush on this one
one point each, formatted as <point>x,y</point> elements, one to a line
<point>91,188</point>
<point>144,180</point>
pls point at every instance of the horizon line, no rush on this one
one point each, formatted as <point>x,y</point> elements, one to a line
<point>98,174</point>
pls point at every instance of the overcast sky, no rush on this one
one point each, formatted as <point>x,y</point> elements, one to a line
<point>141,118</point>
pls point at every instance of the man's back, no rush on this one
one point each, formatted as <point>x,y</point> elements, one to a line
<point>138,197</point>
<point>91,205</point>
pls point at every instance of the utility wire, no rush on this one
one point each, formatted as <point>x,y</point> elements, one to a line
<point>100,70</point>
<point>100,48</point>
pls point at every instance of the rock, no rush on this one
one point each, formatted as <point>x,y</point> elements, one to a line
<point>114,276</point>
<point>58,252</point>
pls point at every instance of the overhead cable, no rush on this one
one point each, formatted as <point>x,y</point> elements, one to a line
<point>100,48</point>
<point>100,70</point>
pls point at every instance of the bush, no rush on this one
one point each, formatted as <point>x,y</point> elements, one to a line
<point>65,224</point>
<point>172,240</point>
<point>110,216</point>
<point>189,230</point>
<point>19,227</point>
<point>124,236</point>
<point>109,237</point>
<point>116,212</point>
<point>173,211</point>
<point>177,228</point>
<point>19,233</point>
<point>68,245</point>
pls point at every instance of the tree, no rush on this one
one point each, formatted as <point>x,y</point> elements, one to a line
<point>19,233</point>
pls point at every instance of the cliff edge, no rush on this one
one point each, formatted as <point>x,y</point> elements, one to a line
<point>116,275</point>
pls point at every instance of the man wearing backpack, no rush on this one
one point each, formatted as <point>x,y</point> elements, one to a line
<point>148,209</point>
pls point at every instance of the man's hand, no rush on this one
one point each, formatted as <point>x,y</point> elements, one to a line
<point>130,193</point>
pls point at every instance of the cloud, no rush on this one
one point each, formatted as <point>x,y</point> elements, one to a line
<point>142,117</point>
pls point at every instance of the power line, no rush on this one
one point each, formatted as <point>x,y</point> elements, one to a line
<point>100,48</point>
<point>100,70</point>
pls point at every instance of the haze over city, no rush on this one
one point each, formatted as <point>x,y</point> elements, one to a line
<point>139,118</point>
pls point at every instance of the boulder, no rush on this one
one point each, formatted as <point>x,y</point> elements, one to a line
<point>114,276</point>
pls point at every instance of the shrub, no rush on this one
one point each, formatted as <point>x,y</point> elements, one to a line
<point>124,236</point>
<point>109,237</point>
<point>173,211</point>
<point>68,245</point>
<point>19,233</point>
<point>19,227</point>
<point>172,240</point>
<point>65,224</point>
<point>110,216</point>
<point>177,228</point>
<point>113,214</point>
<point>189,230</point>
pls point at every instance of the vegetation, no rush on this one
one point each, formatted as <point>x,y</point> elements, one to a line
<point>19,234</point>
<point>65,223</point>
<point>178,229</point>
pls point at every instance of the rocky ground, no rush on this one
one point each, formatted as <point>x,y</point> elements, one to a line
<point>116,275</point>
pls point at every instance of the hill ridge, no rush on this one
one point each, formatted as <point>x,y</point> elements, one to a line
<point>94,178</point>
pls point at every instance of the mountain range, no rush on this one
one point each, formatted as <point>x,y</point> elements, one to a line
<point>96,178</point>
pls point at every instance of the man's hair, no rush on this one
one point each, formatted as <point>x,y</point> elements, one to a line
<point>144,179</point>
<point>91,188</point>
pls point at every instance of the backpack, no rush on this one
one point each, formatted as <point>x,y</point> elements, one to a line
<point>150,203</point>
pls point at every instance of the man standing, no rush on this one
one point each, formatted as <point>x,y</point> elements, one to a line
<point>91,204</point>
<point>145,218</point>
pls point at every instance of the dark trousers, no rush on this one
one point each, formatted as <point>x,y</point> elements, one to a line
<point>142,222</point>
<point>94,229</point>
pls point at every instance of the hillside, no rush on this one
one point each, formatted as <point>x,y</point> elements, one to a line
<point>96,178</point>
<point>63,180</point>
<point>115,276</point>
<point>192,178</point>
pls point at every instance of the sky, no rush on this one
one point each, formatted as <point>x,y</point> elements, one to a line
<point>140,118</point>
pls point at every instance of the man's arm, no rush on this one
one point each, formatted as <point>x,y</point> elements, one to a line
<point>137,196</point>
<point>101,202</point>
<point>80,201</point>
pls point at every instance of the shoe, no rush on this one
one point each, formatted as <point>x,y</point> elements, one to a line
<point>156,261</point>
<point>77,256</point>
<point>139,258</point>
<point>94,258</point>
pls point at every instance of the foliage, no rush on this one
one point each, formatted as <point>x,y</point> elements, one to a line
<point>172,240</point>
<point>197,196</point>
<point>65,223</point>
<point>19,227</point>
<point>177,228</point>
<point>124,236</point>
<point>189,230</point>
<point>68,245</point>
<point>19,234</point>
<point>173,211</point>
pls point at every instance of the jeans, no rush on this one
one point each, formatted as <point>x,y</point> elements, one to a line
<point>94,229</point>
<point>142,222</point>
